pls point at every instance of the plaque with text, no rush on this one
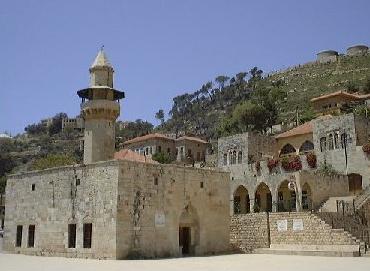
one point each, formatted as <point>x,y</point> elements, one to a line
<point>282,225</point>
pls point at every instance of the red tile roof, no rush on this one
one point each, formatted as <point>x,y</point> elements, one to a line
<point>303,129</point>
<point>126,154</point>
<point>342,93</point>
<point>191,138</point>
<point>147,137</point>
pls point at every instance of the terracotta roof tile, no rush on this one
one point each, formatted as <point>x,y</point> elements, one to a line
<point>305,128</point>
<point>126,154</point>
<point>146,137</point>
<point>192,138</point>
<point>341,93</point>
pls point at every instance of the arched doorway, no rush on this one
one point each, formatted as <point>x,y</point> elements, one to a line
<point>241,200</point>
<point>354,183</point>
<point>263,199</point>
<point>306,197</point>
<point>188,231</point>
<point>286,198</point>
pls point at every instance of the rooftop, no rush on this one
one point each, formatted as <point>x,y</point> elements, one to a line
<point>101,60</point>
<point>147,137</point>
<point>161,136</point>
<point>353,96</point>
<point>303,129</point>
<point>130,155</point>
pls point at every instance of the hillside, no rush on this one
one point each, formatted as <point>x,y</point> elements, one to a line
<point>314,79</point>
<point>203,111</point>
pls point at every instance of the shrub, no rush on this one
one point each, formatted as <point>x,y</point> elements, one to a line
<point>292,163</point>
<point>311,160</point>
<point>52,160</point>
<point>161,157</point>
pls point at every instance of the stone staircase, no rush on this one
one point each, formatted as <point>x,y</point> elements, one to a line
<point>317,238</point>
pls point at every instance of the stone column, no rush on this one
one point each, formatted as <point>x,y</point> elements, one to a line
<point>298,192</point>
<point>274,202</point>
<point>251,205</point>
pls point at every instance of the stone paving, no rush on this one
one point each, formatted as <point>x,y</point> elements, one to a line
<point>227,262</point>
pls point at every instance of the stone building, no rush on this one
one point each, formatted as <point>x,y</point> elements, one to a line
<point>185,148</point>
<point>280,173</point>
<point>115,209</point>
<point>333,103</point>
<point>76,123</point>
<point>357,50</point>
<point>327,56</point>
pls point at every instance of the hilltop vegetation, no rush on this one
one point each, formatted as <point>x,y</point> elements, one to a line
<point>235,104</point>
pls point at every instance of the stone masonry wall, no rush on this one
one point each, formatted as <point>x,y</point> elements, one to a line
<point>249,231</point>
<point>56,201</point>
<point>180,196</point>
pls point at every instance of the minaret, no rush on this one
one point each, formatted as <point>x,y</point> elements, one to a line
<point>100,109</point>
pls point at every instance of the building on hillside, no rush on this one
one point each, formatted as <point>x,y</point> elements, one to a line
<point>115,208</point>
<point>184,148</point>
<point>327,56</point>
<point>47,122</point>
<point>333,103</point>
<point>357,50</point>
<point>76,123</point>
<point>280,173</point>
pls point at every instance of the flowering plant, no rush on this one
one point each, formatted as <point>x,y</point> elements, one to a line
<point>292,163</point>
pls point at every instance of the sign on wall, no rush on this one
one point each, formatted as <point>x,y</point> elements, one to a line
<point>297,225</point>
<point>160,219</point>
<point>282,225</point>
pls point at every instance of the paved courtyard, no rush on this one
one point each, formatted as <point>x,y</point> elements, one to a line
<point>243,262</point>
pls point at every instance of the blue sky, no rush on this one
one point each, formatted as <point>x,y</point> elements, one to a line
<point>159,48</point>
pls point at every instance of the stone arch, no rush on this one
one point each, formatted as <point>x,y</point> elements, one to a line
<point>287,149</point>
<point>262,198</point>
<point>286,198</point>
<point>241,200</point>
<point>306,197</point>
<point>354,183</point>
<point>306,146</point>
<point>189,235</point>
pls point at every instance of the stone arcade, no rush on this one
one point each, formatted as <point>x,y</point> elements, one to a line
<point>113,209</point>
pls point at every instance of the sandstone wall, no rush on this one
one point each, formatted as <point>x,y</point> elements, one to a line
<point>58,200</point>
<point>196,198</point>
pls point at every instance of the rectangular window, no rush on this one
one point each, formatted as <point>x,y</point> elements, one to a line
<point>31,235</point>
<point>87,230</point>
<point>18,242</point>
<point>71,235</point>
<point>33,187</point>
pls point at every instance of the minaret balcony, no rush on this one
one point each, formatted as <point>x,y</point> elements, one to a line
<point>100,109</point>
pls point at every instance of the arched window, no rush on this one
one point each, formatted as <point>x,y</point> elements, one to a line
<point>240,157</point>
<point>306,147</point>
<point>287,149</point>
<point>323,144</point>
<point>225,159</point>
<point>336,140</point>
<point>331,142</point>
<point>234,157</point>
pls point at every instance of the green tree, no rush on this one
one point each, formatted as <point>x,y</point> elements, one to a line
<point>160,116</point>
<point>221,81</point>
<point>162,158</point>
